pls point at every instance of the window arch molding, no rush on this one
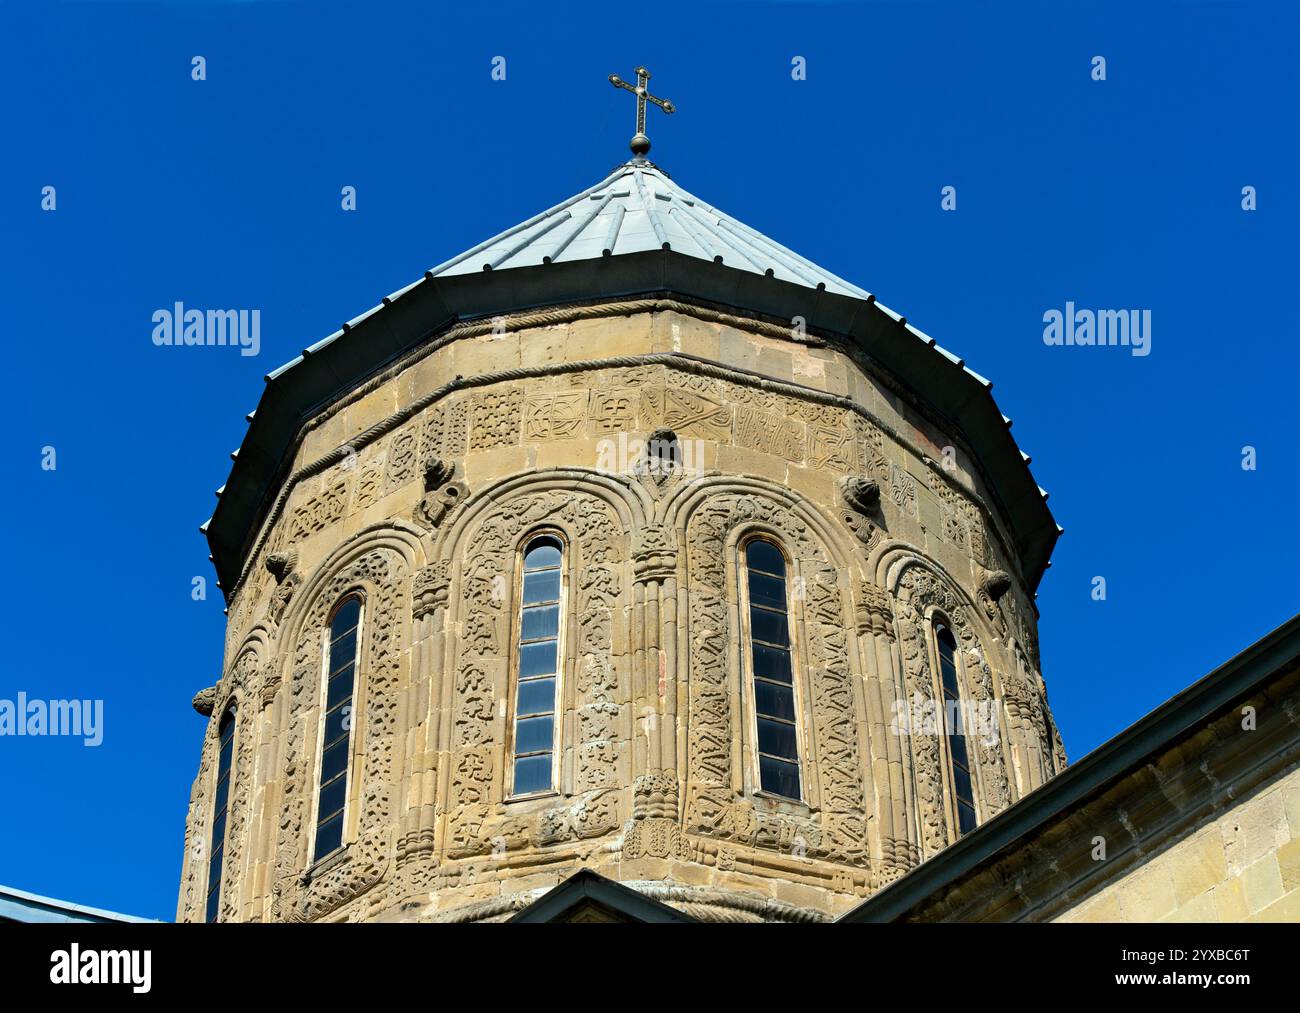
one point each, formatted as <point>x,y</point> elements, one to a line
<point>782,714</point>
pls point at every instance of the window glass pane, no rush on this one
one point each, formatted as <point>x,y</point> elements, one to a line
<point>771,663</point>
<point>765,590</point>
<point>338,723</point>
<point>223,758</point>
<point>779,777</point>
<point>329,836</point>
<point>961,780</point>
<point>335,761</point>
<point>948,676</point>
<point>965,818</point>
<point>543,586</point>
<point>343,651</point>
<point>219,800</point>
<point>536,697</point>
<point>537,659</point>
<point>532,773</point>
<point>332,797</point>
<point>769,626</point>
<point>346,617</point>
<point>542,553</point>
<point>533,735</point>
<point>541,621</point>
<point>771,700</point>
<point>340,687</point>
<point>777,738</point>
<point>957,743</point>
<point>219,828</point>
<point>765,556</point>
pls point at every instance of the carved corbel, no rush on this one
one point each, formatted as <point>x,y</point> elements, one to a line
<point>440,492</point>
<point>205,700</point>
<point>862,497</point>
<point>281,566</point>
<point>993,584</point>
<point>860,493</point>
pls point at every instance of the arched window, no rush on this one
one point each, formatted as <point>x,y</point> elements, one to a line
<point>341,654</point>
<point>959,763</point>
<point>220,804</point>
<point>770,666</point>
<point>540,612</point>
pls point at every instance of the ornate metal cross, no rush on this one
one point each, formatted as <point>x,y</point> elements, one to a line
<point>641,143</point>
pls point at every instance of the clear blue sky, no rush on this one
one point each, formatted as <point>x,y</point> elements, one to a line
<point>1117,194</point>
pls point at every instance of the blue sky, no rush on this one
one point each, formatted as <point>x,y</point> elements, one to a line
<point>1123,193</point>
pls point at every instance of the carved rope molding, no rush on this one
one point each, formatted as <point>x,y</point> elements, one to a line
<point>678,360</point>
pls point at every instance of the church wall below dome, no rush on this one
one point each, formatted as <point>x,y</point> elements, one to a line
<point>416,491</point>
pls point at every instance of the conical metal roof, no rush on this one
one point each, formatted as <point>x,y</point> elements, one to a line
<point>634,209</point>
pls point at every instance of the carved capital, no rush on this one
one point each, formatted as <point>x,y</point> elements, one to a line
<point>875,610</point>
<point>431,587</point>
<point>654,553</point>
<point>654,795</point>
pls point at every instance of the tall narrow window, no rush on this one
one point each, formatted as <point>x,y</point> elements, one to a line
<point>539,648</point>
<point>963,792</point>
<point>220,803</point>
<point>336,744</point>
<point>774,697</point>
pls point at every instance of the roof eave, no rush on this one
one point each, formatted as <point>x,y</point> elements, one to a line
<point>293,395</point>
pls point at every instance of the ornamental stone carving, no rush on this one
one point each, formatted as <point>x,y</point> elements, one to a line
<point>418,491</point>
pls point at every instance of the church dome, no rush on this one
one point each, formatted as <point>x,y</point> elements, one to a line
<point>627,541</point>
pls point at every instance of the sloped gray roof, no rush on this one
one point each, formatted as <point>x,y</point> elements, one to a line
<point>634,209</point>
<point>21,906</point>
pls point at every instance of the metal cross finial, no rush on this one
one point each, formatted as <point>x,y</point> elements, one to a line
<point>641,143</point>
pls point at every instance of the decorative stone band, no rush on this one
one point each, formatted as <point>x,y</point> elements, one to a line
<point>677,360</point>
<point>564,315</point>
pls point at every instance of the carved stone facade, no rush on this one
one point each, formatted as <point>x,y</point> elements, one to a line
<point>417,492</point>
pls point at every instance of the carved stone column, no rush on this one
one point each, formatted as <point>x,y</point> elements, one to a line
<point>416,837</point>
<point>655,828</point>
<point>875,623</point>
